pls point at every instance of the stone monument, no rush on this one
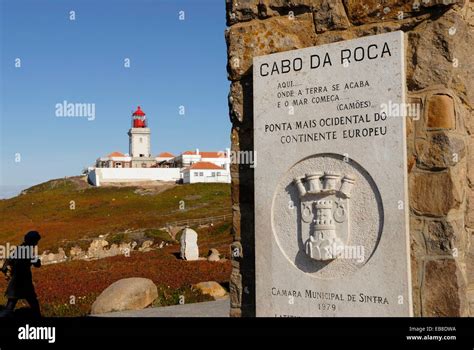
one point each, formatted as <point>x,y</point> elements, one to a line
<point>189,247</point>
<point>331,185</point>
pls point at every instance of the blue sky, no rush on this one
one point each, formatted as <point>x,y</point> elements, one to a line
<point>173,63</point>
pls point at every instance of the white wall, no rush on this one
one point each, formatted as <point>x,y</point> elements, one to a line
<point>185,176</point>
<point>190,158</point>
<point>190,177</point>
<point>100,175</point>
<point>93,177</point>
<point>217,161</point>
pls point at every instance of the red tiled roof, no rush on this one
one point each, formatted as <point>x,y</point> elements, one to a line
<point>165,155</point>
<point>207,154</point>
<point>205,166</point>
<point>116,154</point>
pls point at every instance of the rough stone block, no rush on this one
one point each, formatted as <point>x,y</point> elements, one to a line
<point>417,243</point>
<point>369,11</point>
<point>235,312</point>
<point>256,38</point>
<point>242,10</point>
<point>235,289</point>
<point>439,151</point>
<point>246,10</point>
<point>439,54</point>
<point>470,161</point>
<point>330,15</point>
<point>241,102</point>
<point>416,265</point>
<point>470,209</point>
<point>434,194</point>
<point>440,290</point>
<point>236,220</point>
<point>440,113</point>
<point>441,237</point>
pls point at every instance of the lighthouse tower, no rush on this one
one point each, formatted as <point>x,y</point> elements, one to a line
<point>139,141</point>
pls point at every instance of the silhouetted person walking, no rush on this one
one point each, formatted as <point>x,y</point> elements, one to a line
<point>18,268</point>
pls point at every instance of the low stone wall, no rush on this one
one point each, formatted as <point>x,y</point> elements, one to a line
<point>98,249</point>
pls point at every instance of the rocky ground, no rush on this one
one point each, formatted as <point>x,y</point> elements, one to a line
<point>69,289</point>
<point>72,216</point>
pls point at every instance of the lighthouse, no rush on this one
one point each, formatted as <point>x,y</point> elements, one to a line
<point>139,141</point>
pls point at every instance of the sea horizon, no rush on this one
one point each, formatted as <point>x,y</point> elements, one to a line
<point>11,191</point>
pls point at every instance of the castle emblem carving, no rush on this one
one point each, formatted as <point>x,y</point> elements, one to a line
<point>325,212</point>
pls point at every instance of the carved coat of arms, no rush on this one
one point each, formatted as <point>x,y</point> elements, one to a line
<point>325,212</point>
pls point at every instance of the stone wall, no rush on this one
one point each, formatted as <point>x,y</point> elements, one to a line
<point>440,79</point>
<point>99,248</point>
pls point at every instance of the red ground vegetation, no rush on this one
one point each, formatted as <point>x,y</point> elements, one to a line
<point>84,280</point>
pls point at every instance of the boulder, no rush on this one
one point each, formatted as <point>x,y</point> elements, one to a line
<point>96,248</point>
<point>213,255</point>
<point>76,253</point>
<point>51,258</point>
<point>126,294</point>
<point>211,288</point>
<point>146,246</point>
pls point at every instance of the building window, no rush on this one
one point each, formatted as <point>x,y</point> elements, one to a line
<point>141,139</point>
<point>201,173</point>
<point>196,173</point>
<point>213,174</point>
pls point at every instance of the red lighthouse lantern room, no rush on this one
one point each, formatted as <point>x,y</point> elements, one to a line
<point>139,120</point>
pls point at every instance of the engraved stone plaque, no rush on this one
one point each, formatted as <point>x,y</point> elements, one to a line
<point>331,210</point>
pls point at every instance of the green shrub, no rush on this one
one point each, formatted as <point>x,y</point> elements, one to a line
<point>117,238</point>
<point>224,228</point>
<point>183,295</point>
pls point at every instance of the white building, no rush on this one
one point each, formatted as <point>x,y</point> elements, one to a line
<point>140,165</point>
<point>205,172</point>
<point>114,160</point>
<point>163,159</point>
<point>188,158</point>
